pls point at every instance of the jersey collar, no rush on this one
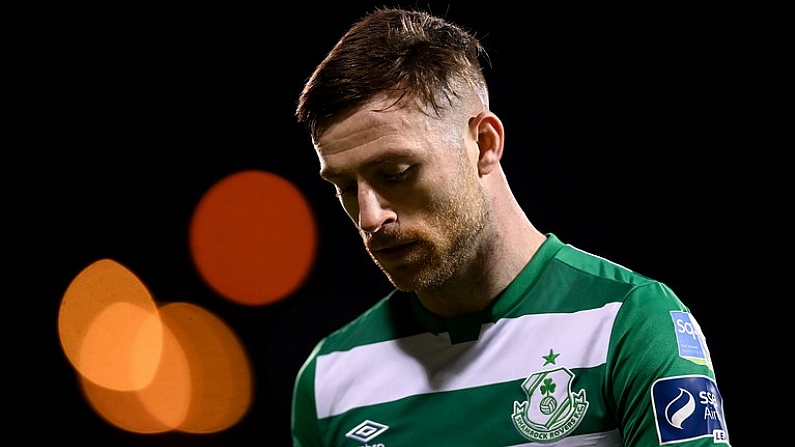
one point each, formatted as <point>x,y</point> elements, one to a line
<point>467,327</point>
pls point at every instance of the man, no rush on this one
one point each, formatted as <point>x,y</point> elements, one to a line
<point>497,334</point>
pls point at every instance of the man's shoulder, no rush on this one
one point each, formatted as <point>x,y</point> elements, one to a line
<point>573,280</point>
<point>599,267</point>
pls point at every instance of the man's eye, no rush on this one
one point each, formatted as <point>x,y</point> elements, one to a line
<point>345,190</point>
<point>400,175</point>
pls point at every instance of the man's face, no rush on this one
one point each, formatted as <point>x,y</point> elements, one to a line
<point>410,184</point>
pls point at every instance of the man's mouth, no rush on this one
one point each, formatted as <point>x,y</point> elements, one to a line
<point>393,252</point>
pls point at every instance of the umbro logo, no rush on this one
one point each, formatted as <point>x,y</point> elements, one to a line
<point>366,431</point>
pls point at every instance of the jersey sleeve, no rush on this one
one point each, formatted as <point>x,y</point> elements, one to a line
<point>660,374</point>
<point>303,420</point>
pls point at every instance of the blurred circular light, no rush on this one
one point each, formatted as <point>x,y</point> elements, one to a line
<point>253,237</point>
<point>109,327</point>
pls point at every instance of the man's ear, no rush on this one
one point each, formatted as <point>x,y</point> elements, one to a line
<point>489,134</point>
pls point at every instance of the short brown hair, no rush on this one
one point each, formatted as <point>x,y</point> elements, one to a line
<point>395,51</point>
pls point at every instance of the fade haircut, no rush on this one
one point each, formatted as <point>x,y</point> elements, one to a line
<point>402,53</point>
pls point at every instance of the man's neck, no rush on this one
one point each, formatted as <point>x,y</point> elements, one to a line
<point>477,284</point>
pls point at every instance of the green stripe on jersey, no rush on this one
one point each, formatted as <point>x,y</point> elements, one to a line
<point>458,416</point>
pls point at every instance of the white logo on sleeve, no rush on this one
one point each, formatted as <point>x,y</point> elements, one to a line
<point>676,418</point>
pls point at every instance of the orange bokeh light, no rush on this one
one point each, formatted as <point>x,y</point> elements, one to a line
<point>253,237</point>
<point>109,327</point>
<point>220,376</point>
<point>147,368</point>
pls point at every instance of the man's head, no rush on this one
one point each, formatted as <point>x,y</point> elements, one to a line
<point>399,117</point>
<point>397,52</point>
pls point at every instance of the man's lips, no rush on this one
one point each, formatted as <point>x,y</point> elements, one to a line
<point>392,252</point>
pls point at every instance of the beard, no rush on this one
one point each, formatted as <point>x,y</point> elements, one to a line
<point>449,235</point>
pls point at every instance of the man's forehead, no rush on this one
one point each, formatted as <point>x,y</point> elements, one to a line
<point>369,124</point>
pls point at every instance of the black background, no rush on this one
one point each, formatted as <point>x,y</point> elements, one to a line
<point>630,133</point>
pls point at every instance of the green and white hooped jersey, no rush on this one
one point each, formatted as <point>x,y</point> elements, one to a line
<point>577,351</point>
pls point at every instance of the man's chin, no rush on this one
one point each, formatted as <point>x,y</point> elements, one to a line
<point>413,280</point>
<point>404,278</point>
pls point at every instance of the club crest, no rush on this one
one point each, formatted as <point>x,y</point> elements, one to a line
<point>551,410</point>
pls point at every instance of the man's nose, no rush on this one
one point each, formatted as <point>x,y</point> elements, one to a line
<point>374,211</point>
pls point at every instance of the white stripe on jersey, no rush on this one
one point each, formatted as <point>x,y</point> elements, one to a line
<point>508,350</point>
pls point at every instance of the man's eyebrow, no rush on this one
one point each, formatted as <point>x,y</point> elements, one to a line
<point>329,173</point>
<point>391,157</point>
